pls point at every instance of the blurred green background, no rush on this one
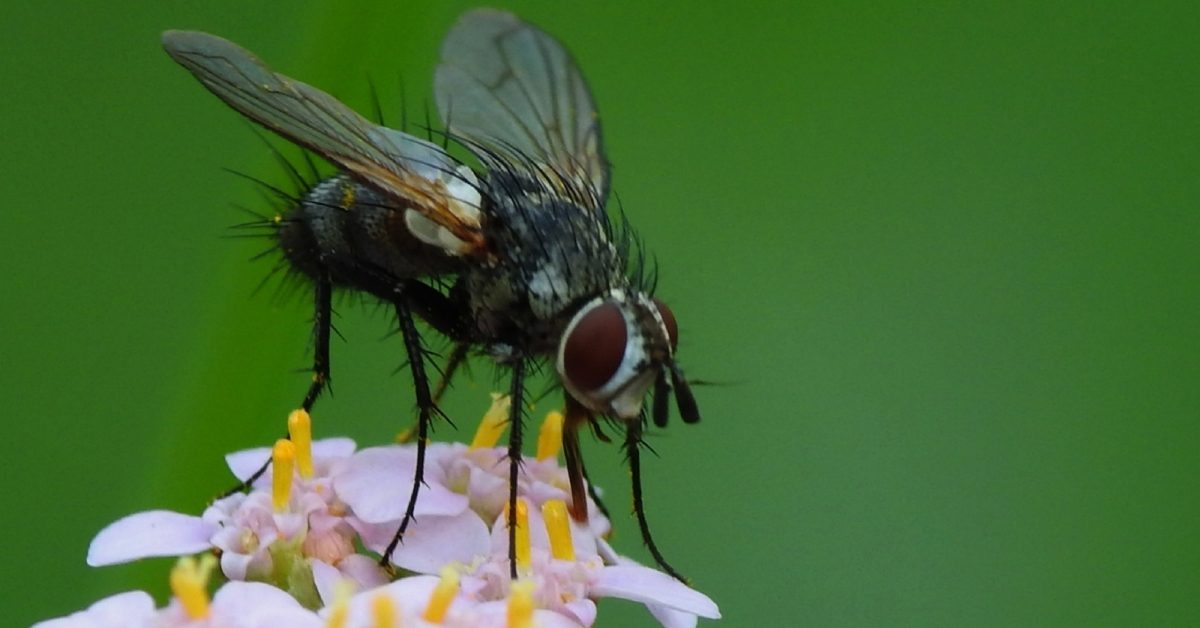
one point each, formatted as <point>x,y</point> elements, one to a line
<point>944,256</point>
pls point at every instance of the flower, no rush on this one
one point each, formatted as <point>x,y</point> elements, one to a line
<point>572,568</point>
<point>282,534</point>
<point>430,600</point>
<point>131,608</point>
<point>235,605</point>
<point>292,543</point>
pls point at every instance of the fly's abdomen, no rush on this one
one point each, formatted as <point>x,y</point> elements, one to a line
<point>356,236</point>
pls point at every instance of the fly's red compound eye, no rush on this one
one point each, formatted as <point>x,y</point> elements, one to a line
<point>669,320</point>
<point>595,347</point>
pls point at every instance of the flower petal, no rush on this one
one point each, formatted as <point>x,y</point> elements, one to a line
<point>409,595</point>
<point>123,609</point>
<point>364,571</point>
<point>495,613</point>
<point>583,611</point>
<point>325,577</point>
<point>258,605</point>
<point>246,462</point>
<point>377,484</point>
<point>648,586</point>
<point>150,533</point>
<point>430,542</point>
<point>671,618</point>
<point>333,447</point>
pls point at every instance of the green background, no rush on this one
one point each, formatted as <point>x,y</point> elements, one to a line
<point>944,258</point>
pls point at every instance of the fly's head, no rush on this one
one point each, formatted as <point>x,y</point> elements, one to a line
<point>615,348</point>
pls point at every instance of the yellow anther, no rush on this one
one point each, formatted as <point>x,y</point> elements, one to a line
<point>283,463</point>
<point>300,430</point>
<point>443,594</point>
<point>339,611</point>
<point>524,558</point>
<point>384,611</point>
<point>520,605</point>
<point>558,528</point>
<point>189,584</point>
<point>493,423</point>
<point>550,436</point>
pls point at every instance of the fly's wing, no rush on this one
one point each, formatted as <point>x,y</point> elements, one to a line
<point>444,193</point>
<point>514,94</point>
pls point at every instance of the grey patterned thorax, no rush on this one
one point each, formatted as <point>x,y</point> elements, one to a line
<point>555,255</point>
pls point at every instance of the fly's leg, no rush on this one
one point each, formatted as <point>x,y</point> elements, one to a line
<point>457,357</point>
<point>516,414</point>
<point>576,416</point>
<point>633,445</point>
<point>425,411</point>
<point>322,324</point>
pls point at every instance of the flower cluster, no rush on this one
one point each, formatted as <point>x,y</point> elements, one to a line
<point>296,549</point>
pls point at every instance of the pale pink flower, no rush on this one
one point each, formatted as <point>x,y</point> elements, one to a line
<point>235,605</point>
<point>410,597</point>
<point>131,608</point>
<point>571,587</point>
<point>251,535</point>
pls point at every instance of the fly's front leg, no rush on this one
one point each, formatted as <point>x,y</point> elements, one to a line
<point>633,446</point>
<point>577,416</point>
<point>322,324</point>
<point>425,411</point>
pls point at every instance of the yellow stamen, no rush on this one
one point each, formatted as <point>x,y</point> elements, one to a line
<point>189,584</point>
<point>300,430</point>
<point>550,436</point>
<point>443,595</point>
<point>558,528</point>
<point>384,611</point>
<point>524,559</point>
<point>520,605</point>
<point>493,423</point>
<point>283,462</point>
<point>339,611</point>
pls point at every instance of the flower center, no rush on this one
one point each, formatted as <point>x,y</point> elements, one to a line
<point>550,436</point>
<point>384,611</point>
<point>443,594</point>
<point>558,528</point>
<point>189,584</point>
<point>283,459</point>
<point>493,423</point>
<point>300,431</point>
<point>520,605</point>
<point>339,611</point>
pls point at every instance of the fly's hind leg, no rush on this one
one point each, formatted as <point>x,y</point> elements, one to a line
<point>322,324</point>
<point>426,408</point>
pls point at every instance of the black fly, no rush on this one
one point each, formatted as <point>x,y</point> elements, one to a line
<point>535,268</point>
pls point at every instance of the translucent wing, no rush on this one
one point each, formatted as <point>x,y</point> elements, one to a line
<point>515,92</point>
<point>444,192</point>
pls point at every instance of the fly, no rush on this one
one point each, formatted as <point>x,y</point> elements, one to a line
<point>536,269</point>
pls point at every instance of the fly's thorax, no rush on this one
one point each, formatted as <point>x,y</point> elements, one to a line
<point>552,254</point>
<point>613,349</point>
